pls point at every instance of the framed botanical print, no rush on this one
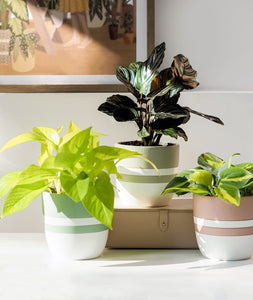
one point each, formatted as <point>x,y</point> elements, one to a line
<point>71,46</point>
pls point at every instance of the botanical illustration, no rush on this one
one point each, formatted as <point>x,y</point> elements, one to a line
<point>63,37</point>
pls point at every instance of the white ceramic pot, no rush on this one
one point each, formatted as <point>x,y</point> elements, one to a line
<point>141,185</point>
<point>71,232</point>
<point>224,231</point>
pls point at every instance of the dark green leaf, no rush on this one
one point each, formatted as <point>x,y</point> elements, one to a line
<point>209,117</point>
<point>235,176</point>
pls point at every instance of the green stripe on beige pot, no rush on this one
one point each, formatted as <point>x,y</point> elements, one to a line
<point>71,232</point>
<point>141,185</point>
<point>224,231</point>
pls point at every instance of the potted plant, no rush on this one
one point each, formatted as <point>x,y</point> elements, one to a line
<point>74,177</point>
<point>19,10</point>
<point>112,17</point>
<point>156,112</point>
<point>22,49</point>
<point>223,205</point>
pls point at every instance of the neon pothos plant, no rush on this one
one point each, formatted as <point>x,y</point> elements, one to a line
<point>74,164</point>
<point>215,177</point>
<point>156,110</point>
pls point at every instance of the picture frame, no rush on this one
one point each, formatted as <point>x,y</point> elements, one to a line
<point>87,83</point>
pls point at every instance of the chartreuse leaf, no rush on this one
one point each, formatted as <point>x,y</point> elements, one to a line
<point>65,160</point>
<point>228,192</point>
<point>49,134</point>
<point>202,176</point>
<point>100,198</point>
<point>94,139</point>
<point>35,173</point>
<point>235,176</point>
<point>72,130</point>
<point>22,138</point>
<point>46,152</point>
<point>111,153</point>
<point>22,195</point>
<point>75,187</point>
<point>8,181</point>
<point>78,143</point>
<point>105,153</point>
<point>200,189</point>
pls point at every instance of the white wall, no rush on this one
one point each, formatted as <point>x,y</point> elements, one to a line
<point>216,37</point>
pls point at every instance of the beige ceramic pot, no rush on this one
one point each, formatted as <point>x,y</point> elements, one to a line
<point>224,231</point>
<point>141,185</point>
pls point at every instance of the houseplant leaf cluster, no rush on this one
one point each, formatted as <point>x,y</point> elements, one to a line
<point>215,177</point>
<point>156,110</point>
<point>74,164</point>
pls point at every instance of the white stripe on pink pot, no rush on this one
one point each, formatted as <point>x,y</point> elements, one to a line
<point>224,231</point>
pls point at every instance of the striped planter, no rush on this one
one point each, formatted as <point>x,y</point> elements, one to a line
<point>71,232</point>
<point>224,231</point>
<point>141,185</point>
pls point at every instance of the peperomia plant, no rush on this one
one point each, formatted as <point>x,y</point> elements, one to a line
<point>74,164</point>
<point>156,110</point>
<point>214,177</point>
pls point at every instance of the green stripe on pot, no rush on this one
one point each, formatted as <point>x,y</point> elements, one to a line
<point>146,179</point>
<point>75,229</point>
<point>62,206</point>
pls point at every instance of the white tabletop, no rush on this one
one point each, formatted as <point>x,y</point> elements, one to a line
<point>28,272</point>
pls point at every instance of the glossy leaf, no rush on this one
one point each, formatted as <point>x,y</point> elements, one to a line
<point>75,187</point>
<point>22,138</point>
<point>139,76</point>
<point>48,134</point>
<point>209,161</point>
<point>122,108</point>
<point>236,176</point>
<point>183,72</point>
<point>8,181</point>
<point>229,193</point>
<point>199,189</point>
<point>97,208</point>
<point>105,153</point>
<point>202,176</point>
<point>78,143</point>
<point>143,132</point>
<point>72,130</point>
<point>22,195</point>
<point>209,117</point>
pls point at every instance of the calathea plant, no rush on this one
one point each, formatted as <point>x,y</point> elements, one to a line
<point>74,164</point>
<point>156,110</point>
<point>215,177</point>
